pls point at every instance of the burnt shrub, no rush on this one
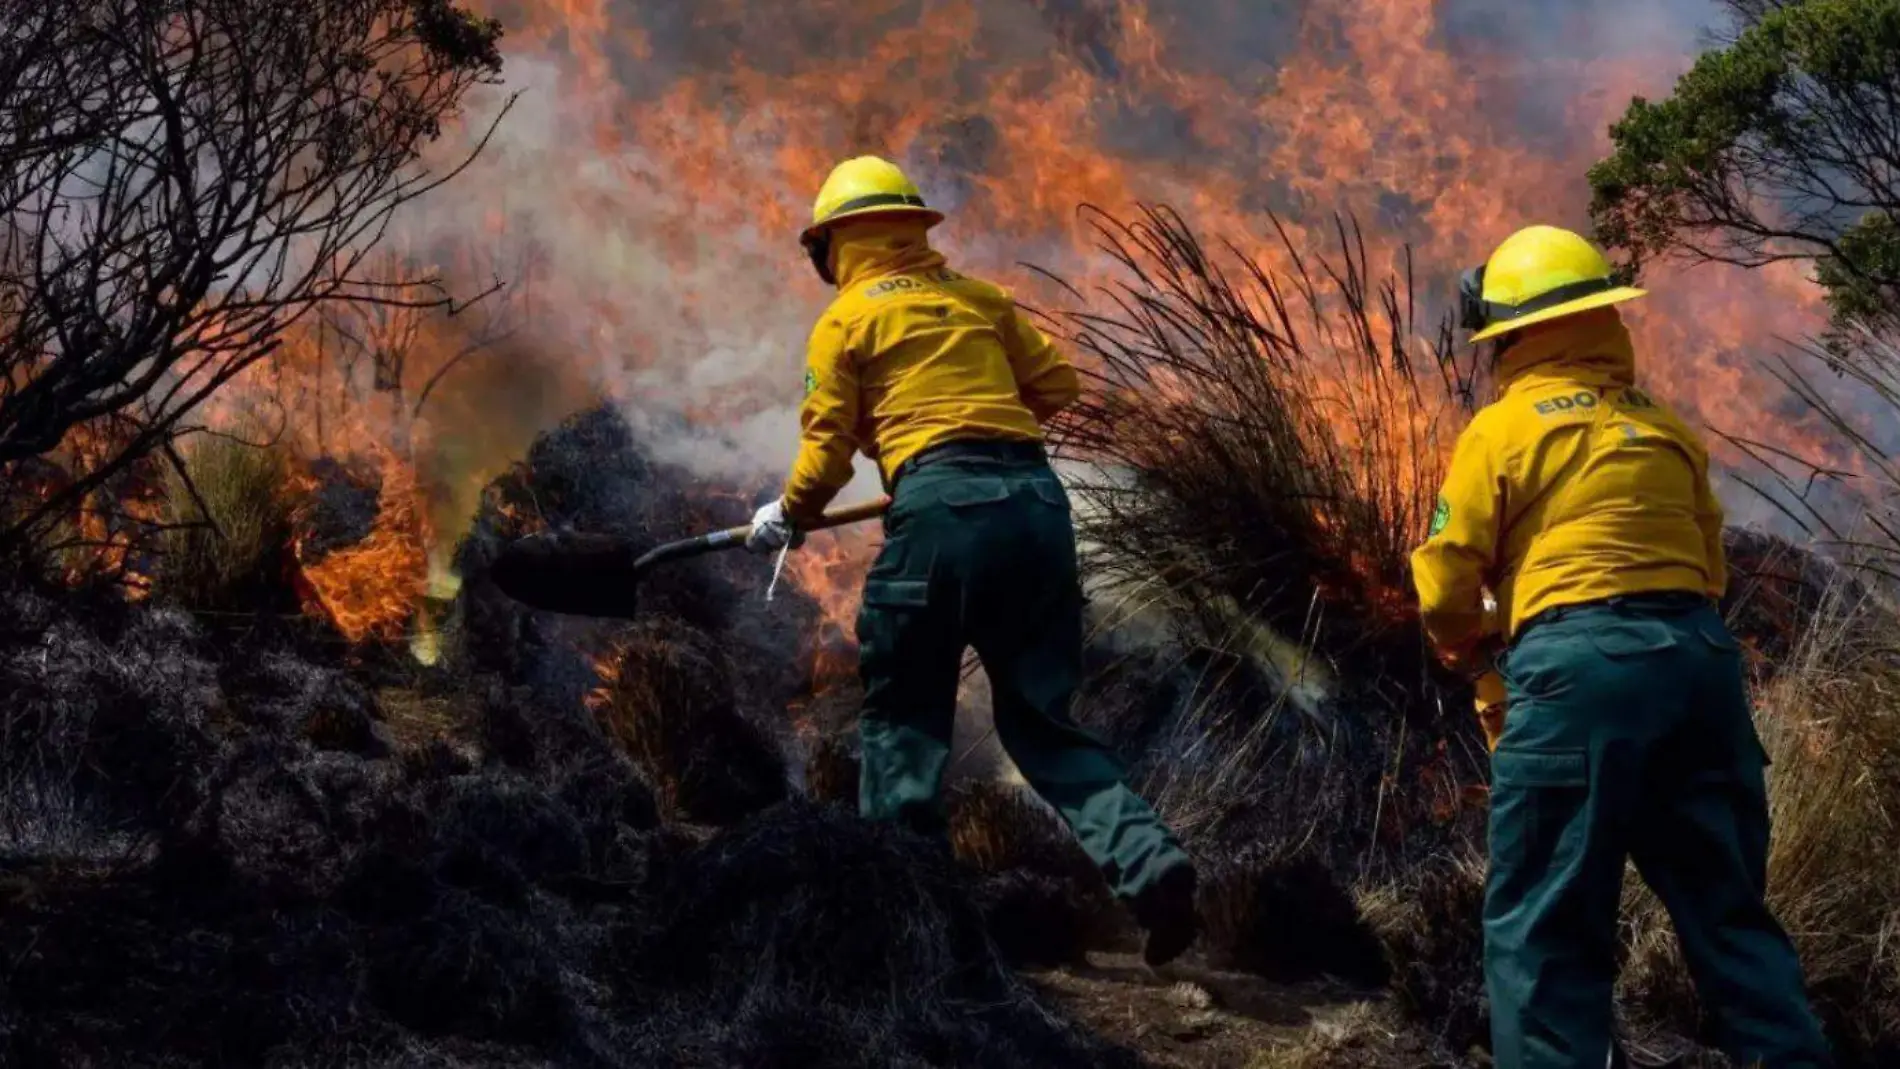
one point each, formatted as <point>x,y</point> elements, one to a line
<point>1431,925</point>
<point>1286,919</point>
<point>850,943</point>
<point>1044,900</point>
<point>832,769</point>
<point>668,702</point>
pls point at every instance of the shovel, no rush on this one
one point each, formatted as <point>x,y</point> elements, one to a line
<point>584,574</point>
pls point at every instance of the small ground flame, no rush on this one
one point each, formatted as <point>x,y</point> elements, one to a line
<point>373,588</point>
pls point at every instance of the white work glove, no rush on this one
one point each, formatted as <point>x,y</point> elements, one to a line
<point>771,531</point>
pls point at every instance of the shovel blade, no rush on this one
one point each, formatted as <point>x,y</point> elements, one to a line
<point>571,572</point>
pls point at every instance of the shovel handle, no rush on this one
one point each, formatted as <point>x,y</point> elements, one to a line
<point>731,537</point>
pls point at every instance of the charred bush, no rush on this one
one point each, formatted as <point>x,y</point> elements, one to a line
<point>504,896</point>
<point>286,822</point>
<point>1039,921</point>
<point>279,691</point>
<point>169,966</point>
<point>342,507</point>
<point>863,911</point>
<point>593,474</point>
<point>668,702</point>
<point>106,727</point>
<point>1043,898</point>
<point>1286,919</point>
<point>468,967</point>
<point>856,943</point>
<point>1778,591</point>
<point>1431,925</point>
<point>833,768</point>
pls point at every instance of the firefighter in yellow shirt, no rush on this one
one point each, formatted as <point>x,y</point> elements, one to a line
<point>1582,505</point>
<point>941,380</point>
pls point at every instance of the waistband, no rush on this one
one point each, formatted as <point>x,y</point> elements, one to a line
<point>1019,452</point>
<point>1661,602</point>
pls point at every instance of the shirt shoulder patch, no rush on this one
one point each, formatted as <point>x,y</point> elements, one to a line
<point>1441,517</point>
<point>1567,401</point>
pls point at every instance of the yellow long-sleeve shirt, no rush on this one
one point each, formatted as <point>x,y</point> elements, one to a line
<point>911,354</point>
<point>1572,487</point>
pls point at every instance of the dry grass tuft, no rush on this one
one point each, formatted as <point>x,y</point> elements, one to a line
<point>1260,436</point>
<point>667,700</point>
<point>832,770</point>
<point>1286,919</point>
<point>1362,1035</point>
<point>1043,898</point>
<point>1831,724</point>
<point>1431,924</point>
<point>229,524</point>
<point>1259,448</point>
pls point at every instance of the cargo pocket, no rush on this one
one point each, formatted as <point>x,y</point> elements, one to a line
<point>1536,795</point>
<point>892,591</point>
<point>893,629</point>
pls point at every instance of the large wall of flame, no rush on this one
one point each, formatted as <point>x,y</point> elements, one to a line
<point>643,194</point>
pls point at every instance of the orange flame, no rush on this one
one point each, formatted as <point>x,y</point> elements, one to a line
<point>655,177</point>
<point>670,164</point>
<point>372,588</point>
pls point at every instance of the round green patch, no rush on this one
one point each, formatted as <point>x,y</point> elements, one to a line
<point>1441,516</point>
<point>811,381</point>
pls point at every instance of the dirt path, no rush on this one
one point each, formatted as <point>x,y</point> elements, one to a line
<point>1190,1015</point>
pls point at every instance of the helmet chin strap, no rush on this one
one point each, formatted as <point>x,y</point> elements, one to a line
<point>818,247</point>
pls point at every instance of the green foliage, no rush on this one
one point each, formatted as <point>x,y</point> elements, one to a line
<point>1870,253</point>
<point>1776,147</point>
<point>218,556</point>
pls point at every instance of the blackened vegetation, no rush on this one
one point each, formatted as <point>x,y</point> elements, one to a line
<point>306,906</point>
<point>244,849</point>
<point>1286,919</point>
<point>590,474</point>
<point>671,706</point>
<point>1045,901</point>
<point>342,508</point>
<point>1777,590</point>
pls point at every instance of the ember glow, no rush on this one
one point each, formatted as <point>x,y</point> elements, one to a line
<point>644,192</point>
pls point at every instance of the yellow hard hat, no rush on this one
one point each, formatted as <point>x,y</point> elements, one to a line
<point>864,186</point>
<point>1540,273</point>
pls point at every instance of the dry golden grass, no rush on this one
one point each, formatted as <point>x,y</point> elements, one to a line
<point>215,556</point>
<point>1430,922</point>
<point>666,700</point>
<point>1360,1035</point>
<point>996,826</point>
<point>1831,725</point>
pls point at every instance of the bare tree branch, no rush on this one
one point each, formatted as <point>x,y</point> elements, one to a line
<point>183,180</point>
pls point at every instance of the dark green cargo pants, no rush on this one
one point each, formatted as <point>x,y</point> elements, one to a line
<point>1628,736</point>
<point>979,552</point>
